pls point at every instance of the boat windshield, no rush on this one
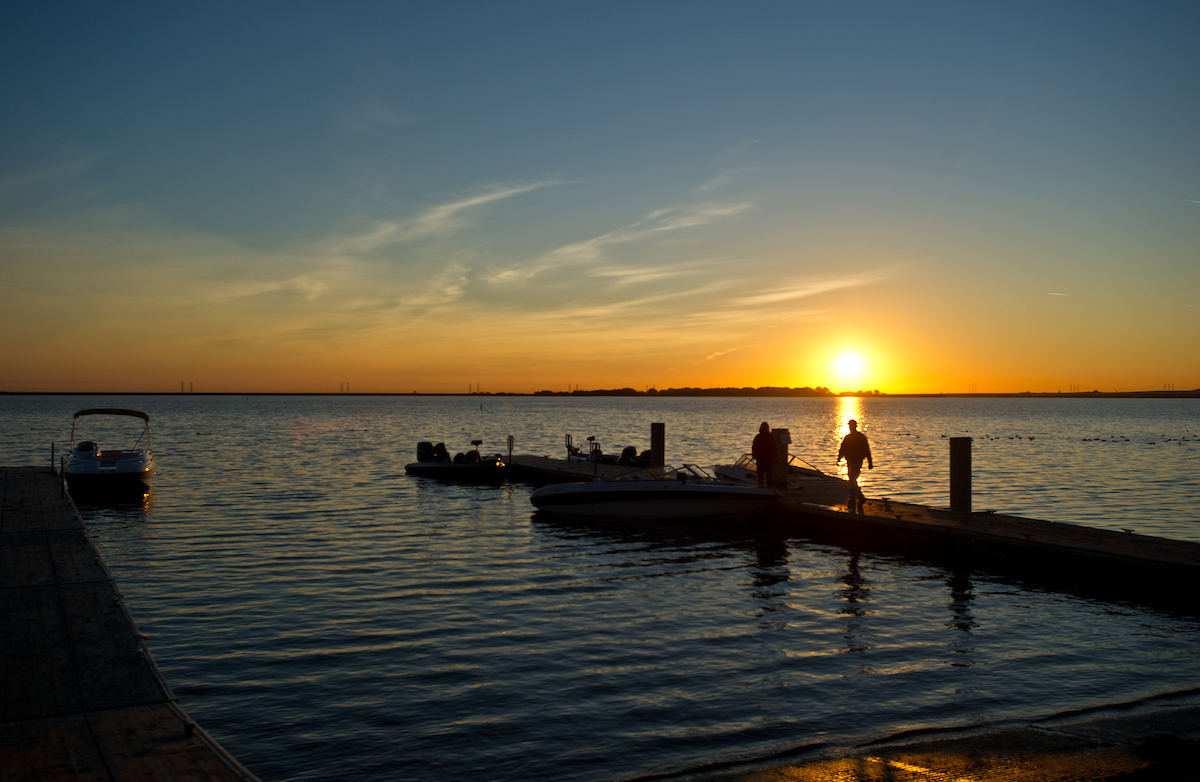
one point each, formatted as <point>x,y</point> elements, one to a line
<point>688,472</point>
<point>695,471</point>
<point>646,474</point>
<point>795,464</point>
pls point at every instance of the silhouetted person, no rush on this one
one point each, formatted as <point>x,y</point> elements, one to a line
<point>854,449</point>
<point>764,452</point>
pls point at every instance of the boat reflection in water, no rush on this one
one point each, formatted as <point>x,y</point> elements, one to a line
<point>656,493</point>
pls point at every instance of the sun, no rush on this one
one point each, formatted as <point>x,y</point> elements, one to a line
<point>850,368</point>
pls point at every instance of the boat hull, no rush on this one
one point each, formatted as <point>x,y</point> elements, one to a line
<point>653,500</point>
<point>92,482</point>
<point>474,473</point>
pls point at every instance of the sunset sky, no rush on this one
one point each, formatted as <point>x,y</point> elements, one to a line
<point>294,196</point>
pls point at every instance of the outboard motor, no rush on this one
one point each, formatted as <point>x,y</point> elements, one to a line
<point>424,451</point>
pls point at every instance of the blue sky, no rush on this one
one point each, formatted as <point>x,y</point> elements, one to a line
<point>289,196</point>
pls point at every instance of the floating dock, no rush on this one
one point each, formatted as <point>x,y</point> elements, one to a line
<point>80,695</point>
<point>1130,564</point>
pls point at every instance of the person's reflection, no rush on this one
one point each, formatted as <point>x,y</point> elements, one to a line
<point>770,569</point>
<point>962,597</point>
<point>857,595</point>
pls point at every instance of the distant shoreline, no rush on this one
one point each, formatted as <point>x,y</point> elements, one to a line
<point>673,393</point>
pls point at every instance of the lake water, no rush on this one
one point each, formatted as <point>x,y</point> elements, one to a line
<point>325,616</point>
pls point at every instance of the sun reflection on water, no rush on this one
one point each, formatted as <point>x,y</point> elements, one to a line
<point>848,408</point>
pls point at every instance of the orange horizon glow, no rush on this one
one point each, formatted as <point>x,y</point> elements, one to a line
<point>457,360</point>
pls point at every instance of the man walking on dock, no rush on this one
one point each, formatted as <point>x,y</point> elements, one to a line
<point>854,449</point>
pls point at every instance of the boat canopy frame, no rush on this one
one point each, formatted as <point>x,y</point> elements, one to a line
<point>113,411</point>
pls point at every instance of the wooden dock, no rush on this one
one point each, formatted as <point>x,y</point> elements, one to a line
<point>80,695</point>
<point>1126,564</point>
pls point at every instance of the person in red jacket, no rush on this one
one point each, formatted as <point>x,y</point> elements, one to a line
<point>854,449</point>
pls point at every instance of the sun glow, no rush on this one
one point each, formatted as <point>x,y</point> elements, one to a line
<point>850,369</point>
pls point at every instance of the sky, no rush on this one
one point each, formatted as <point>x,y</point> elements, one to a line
<point>914,197</point>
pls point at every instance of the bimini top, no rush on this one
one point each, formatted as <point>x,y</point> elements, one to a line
<point>114,411</point>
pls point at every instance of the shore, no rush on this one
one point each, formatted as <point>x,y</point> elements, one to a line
<point>1153,740</point>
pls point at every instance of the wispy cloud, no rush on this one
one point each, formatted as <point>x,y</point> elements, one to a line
<point>637,276</point>
<point>655,224</point>
<point>715,183</point>
<point>623,309</point>
<point>435,221</point>
<point>720,353</point>
<point>813,287</point>
<point>444,288</point>
<point>308,287</point>
<point>1059,294</point>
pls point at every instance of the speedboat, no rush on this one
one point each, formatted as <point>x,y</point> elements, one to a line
<point>434,461</point>
<point>745,470</point>
<point>92,470</point>
<point>656,493</point>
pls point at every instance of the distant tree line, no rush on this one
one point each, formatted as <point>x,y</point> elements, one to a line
<point>746,391</point>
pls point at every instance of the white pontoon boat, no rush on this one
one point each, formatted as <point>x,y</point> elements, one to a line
<point>91,469</point>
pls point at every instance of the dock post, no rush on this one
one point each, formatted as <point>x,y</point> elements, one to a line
<point>960,474</point>
<point>658,445</point>
<point>779,473</point>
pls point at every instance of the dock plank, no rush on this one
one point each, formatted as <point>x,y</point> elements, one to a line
<point>38,676</point>
<point>104,643</point>
<point>159,742</point>
<point>58,748</point>
<point>74,557</point>
<point>80,695</point>
<point>26,560</point>
<point>22,510</point>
